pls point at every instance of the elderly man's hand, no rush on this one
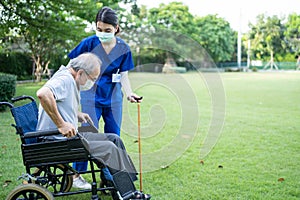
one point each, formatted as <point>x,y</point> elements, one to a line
<point>67,129</point>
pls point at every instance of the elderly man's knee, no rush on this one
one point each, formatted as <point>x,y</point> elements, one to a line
<point>113,137</point>
<point>116,140</point>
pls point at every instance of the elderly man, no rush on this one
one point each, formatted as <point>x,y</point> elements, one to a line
<point>59,108</point>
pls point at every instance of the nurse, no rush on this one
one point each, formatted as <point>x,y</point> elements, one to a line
<point>105,98</point>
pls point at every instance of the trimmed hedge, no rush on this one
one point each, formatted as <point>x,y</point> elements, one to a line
<point>7,87</point>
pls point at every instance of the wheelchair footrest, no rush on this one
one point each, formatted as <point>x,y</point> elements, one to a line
<point>124,184</point>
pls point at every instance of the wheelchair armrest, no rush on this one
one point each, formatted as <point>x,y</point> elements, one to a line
<point>41,133</point>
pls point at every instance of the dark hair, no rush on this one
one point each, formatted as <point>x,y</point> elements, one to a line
<point>108,16</point>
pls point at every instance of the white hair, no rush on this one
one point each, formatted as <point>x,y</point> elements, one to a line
<point>86,61</point>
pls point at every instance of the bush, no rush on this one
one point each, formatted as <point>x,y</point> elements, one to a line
<point>7,87</point>
<point>254,69</point>
<point>233,69</point>
<point>174,70</point>
<point>17,63</point>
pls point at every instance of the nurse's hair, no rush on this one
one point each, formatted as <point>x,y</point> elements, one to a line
<point>108,16</point>
<point>86,61</point>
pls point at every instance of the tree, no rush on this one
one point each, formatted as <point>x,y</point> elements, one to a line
<point>216,36</point>
<point>173,16</point>
<point>47,27</point>
<point>292,33</point>
<point>44,26</point>
<point>267,38</point>
<point>171,25</point>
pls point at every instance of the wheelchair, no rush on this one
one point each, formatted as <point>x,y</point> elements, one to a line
<point>47,163</point>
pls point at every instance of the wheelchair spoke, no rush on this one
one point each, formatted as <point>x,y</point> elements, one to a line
<point>56,176</point>
<point>29,195</point>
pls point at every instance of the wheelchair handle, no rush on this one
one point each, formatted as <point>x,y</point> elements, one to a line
<point>6,104</point>
<point>41,133</point>
<point>19,98</point>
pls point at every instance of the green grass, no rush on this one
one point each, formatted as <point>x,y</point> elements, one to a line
<point>259,142</point>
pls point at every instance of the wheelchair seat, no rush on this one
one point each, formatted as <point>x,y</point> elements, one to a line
<point>63,150</point>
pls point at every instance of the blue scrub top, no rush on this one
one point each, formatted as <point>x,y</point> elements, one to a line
<point>105,93</point>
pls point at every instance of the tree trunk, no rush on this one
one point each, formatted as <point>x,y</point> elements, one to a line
<point>271,63</point>
<point>47,71</point>
<point>38,69</point>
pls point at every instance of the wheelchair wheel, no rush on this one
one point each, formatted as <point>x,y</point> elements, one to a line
<point>56,178</point>
<point>29,192</point>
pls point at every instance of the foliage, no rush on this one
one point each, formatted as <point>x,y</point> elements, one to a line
<point>216,36</point>
<point>42,26</point>
<point>48,30</point>
<point>267,37</point>
<point>148,27</point>
<point>174,16</point>
<point>172,22</point>
<point>46,27</point>
<point>292,33</point>
<point>16,63</point>
<point>7,87</point>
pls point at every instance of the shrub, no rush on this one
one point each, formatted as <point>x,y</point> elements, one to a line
<point>233,69</point>
<point>174,70</point>
<point>254,69</point>
<point>16,63</point>
<point>7,87</point>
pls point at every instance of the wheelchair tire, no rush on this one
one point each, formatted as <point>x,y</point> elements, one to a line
<point>30,192</point>
<point>54,174</point>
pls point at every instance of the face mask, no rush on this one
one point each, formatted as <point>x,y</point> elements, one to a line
<point>105,37</point>
<point>88,85</point>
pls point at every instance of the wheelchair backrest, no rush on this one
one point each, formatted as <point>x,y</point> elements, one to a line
<point>25,116</point>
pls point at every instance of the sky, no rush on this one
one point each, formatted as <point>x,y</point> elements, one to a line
<point>237,12</point>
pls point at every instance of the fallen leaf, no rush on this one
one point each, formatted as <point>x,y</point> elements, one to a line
<point>202,162</point>
<point>281,179</point>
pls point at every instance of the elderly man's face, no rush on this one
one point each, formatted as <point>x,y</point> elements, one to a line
<point>86,80</point>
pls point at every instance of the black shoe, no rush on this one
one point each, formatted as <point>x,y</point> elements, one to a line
<point>139,195</point>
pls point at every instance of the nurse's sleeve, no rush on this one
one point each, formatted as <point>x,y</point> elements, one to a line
<point>79,49</point>
<point>127,63</point>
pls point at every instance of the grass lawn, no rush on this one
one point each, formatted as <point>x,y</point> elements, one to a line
<point>251,153</point>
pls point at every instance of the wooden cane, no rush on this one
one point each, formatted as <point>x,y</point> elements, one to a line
<point>140,145</point>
